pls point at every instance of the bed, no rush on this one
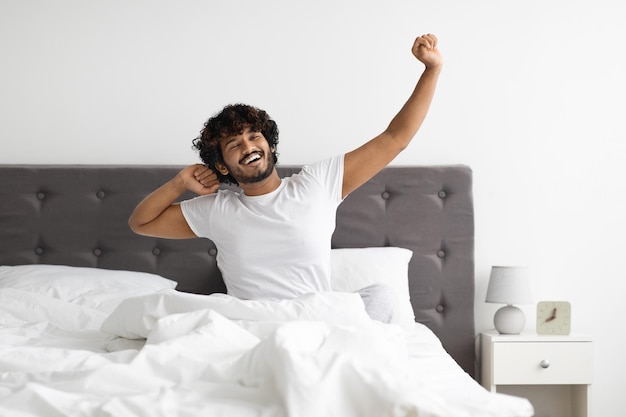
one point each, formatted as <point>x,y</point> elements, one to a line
<point>95,320</point>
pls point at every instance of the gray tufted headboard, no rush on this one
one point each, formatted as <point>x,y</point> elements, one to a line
<point>77,215</point>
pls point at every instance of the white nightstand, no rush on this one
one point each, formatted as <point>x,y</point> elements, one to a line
<point>553,372</point>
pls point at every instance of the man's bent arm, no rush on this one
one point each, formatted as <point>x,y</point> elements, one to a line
<point>366,161</point>
<point>158,215</point>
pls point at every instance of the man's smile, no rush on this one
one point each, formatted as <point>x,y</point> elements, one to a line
<point>254,156</point>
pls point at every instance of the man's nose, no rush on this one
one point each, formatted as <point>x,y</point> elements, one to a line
<point>247,145</point>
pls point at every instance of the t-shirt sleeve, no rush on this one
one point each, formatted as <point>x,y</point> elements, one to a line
<point>197,212</point>
<point>329,172</point>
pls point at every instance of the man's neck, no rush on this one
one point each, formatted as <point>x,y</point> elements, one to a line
<point>266,186</point>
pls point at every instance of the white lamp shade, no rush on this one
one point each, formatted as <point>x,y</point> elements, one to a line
<point>509,285</point>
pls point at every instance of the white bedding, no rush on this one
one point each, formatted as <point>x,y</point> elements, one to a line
<point>319,355</point>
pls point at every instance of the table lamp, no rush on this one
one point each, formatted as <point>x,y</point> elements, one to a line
<point>509,285</point>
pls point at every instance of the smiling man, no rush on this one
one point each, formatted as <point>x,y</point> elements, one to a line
<point>239,146</point>
<point>273,237</point>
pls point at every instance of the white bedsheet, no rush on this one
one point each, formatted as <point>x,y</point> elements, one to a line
<point>318,355</point>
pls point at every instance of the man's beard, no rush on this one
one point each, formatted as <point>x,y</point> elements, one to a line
<point>259,176</point>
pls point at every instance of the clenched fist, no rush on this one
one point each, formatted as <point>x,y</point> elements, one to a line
<point>425,50</point>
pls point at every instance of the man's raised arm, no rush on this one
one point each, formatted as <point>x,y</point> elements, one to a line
<point>366,161</point>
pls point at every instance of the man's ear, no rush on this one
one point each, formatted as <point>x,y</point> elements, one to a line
<point>221,168</point>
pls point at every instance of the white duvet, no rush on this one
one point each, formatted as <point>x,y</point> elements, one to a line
<point>176,354</point>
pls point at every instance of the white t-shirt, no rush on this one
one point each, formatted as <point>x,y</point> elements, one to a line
<point>277,245</point>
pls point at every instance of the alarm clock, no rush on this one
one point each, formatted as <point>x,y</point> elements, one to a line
<point>554,317</point>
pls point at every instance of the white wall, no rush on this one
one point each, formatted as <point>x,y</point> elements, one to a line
<point>531,98</point>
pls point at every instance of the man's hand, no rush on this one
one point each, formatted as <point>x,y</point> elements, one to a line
<point>199,179</point>
<point>425,49</point>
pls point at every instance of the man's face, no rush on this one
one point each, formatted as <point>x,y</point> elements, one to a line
<point>247,157</point>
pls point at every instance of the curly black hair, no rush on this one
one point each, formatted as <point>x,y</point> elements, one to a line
<point>231,121</point>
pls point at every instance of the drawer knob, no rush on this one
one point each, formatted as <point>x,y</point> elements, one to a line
<point>545,364</point>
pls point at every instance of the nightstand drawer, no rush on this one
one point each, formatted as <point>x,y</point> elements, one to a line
<point>519,363</point>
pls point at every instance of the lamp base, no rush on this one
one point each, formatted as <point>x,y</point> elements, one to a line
<point>509,320</point>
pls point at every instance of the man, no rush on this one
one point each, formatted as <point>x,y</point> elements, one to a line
<point>273,237</point>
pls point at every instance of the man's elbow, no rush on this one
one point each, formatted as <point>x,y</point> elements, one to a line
<point>400,140</point>
<point>135,226</point>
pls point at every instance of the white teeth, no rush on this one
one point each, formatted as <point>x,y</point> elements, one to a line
<point>252,158</point>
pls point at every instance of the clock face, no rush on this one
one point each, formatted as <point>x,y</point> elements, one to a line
<point>554,317</point>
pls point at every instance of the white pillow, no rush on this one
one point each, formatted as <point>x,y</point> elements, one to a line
<point>356,268</point>
<point>100,289</point>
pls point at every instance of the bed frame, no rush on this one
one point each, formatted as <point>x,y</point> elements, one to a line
<point>77,215</point>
